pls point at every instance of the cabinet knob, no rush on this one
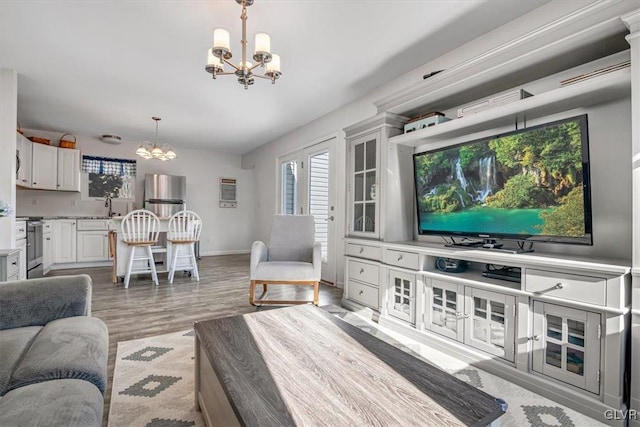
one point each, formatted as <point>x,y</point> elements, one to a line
<point>48,238</point>
<point>360,293</point>
<point>535,338</point>
<point>399,257</point>
<point>361,249</point>
<point>559,285</point>
<point>20,229</point>
<point>361,270</point>
<point>16,263</point>
<point>35,183</point>
<point>24,180</point>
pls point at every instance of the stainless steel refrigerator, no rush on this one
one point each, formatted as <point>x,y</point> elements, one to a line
<point>164,195</point>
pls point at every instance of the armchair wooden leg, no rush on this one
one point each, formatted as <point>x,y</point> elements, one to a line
<point>316,293</point>
<point>252,290</point>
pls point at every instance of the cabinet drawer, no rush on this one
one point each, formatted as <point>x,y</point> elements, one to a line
<point>364,251</point>
<point>573,287</point>
<point>363,272</point>
<point>92,224</point>
<point>408,260</point>
<point>364,294</point>
<point>13,265</point>
<point>21,230</point>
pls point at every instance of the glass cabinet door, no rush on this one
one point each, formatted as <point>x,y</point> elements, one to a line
<point>364,179</point>
<point>445,309</point>
<point>490,325</point>
<point>566,345</point>
<point>402,295</point>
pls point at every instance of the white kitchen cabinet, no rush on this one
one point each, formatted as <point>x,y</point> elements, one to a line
<point>68,169</point>
<point>47,246</point>
<point>9,265</point>
<point>44,171</point>
<point>21,243</point>
<point>24,151</point>
<point>64,241</point>
<point>92,246</point>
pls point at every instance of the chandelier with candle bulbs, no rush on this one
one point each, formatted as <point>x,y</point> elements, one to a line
<point>220,54</point>
<point>158,152</point>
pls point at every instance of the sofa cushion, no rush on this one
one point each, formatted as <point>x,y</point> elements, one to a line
<point>53,403</point>
<point>14,343</point>
<point>74,347</point>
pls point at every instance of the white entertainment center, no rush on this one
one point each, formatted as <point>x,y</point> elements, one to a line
<point>564,328</point>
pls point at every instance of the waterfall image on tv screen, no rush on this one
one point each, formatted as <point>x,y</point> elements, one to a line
<point>528,184</point>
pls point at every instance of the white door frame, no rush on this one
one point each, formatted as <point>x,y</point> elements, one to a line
<point>329,270</point>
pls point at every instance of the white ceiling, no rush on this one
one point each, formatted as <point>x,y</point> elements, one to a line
<point>95,67</point>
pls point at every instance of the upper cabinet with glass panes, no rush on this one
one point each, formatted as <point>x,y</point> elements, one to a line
<point>364,217</point>
<point>373,163</point>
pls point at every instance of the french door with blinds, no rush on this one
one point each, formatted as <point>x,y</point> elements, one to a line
<point>307,187</point>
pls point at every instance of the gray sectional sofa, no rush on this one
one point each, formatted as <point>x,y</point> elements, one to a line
<point>53,354</point>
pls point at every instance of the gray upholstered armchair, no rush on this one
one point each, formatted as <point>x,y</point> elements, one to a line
<point>292,258</point>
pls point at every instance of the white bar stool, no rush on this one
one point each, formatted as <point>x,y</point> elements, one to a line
<point>184,231</point>
<point>140,230</point>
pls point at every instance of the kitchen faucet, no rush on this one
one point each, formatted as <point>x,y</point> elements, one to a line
<point>107,204</point>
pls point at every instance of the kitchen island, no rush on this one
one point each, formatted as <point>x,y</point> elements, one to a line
<point>162,252</point>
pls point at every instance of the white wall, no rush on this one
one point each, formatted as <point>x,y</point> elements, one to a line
<point>225,230</point>
<point>8,118</point>
<point>263,159</point>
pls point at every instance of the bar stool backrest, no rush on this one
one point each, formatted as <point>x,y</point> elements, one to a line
<point>184,226</point>
<point>140,227</point>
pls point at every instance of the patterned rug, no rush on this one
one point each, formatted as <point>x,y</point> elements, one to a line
<point>153,382</point>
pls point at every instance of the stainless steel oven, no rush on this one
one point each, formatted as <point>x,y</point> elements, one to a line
<point>34,249</point>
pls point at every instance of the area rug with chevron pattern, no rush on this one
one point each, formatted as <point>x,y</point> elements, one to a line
<point>153,382</point>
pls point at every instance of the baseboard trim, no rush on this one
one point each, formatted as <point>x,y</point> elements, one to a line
<point>70,265</point>
<point>231,252</point>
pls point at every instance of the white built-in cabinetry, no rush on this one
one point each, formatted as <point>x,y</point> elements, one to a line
<point>44,171</point>
<point>68,170</point>
<point>25,152</point>
<point>562,329</point>
<point>64,241</point>
<point>21,243</point>
<point>45,167</point>
<point>47,246</point>
<point>9,265</point>
<point>93,242</point>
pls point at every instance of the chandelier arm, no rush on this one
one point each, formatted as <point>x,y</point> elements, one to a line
<point>258,64</point>
<point>261,76</point>
<point>231,64</point>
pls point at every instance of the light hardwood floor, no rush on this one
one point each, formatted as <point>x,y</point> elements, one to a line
<point>146,310</point>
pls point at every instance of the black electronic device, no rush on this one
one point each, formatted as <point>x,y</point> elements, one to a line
<point>451,265</point>
<point>512,274</point>
<point>529,185</point>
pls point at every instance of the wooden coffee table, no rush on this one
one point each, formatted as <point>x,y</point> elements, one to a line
<point>303,366</point>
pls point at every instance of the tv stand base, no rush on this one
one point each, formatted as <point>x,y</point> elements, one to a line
<point>489,244</point>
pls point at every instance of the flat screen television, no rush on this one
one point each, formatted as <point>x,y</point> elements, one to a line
<point>530,185</point>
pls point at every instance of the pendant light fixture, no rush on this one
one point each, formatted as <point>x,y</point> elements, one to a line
<point>158,152</point>
<point>220,54</point>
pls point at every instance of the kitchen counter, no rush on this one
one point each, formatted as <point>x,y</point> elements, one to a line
<point>75,217</point>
